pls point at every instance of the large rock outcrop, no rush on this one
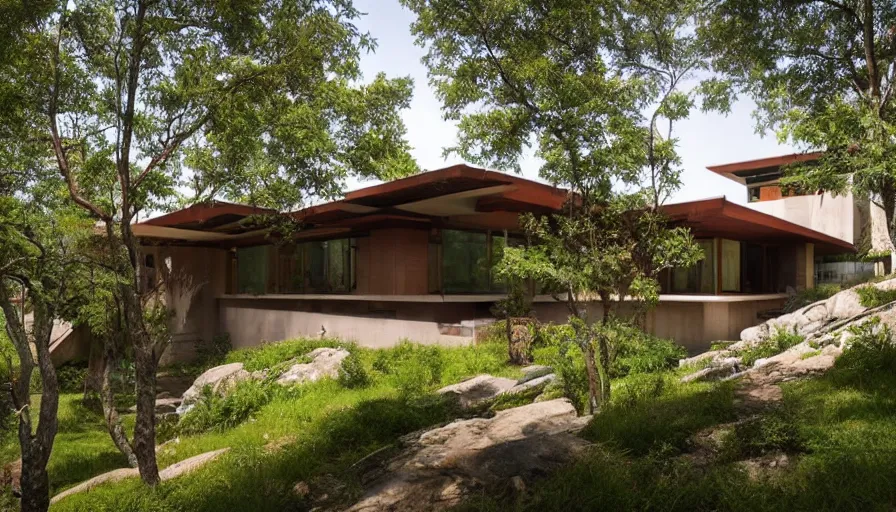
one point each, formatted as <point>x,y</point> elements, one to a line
<point>325,362</point>
<point>219,379</point>
<point>816,318</point>
<point>442,466</point>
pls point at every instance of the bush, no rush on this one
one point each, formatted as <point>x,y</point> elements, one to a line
<point>556,347</point>
<point>871,349</point>
<point>871,297</point>
<point>352,373</point>
<point>639,352</point>
<point>71,377</point>
<point>781,341</point>
<point>413,368</point>
<point>215,412</point>
<point>808,296</point>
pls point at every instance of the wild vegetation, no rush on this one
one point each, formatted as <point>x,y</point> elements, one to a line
<point>319,430</point>
<point>836,428</point>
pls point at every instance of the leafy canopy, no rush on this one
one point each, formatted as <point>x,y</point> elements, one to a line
<point>823,73</point>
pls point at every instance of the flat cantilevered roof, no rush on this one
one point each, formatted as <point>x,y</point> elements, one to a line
<point>740,171</point>
<point>718,217</point>
<point>451,196</point>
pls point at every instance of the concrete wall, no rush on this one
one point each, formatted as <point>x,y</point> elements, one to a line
<point>194,321</point>
<point>855,220</point>
<point>369,323</point>
<point>695,325</point>
<point>836,216</point>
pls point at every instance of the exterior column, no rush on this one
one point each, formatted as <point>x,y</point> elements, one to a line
<point>805,266</point>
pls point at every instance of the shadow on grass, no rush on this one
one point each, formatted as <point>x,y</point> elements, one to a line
<point>252,478</point>
<point>665,422</point>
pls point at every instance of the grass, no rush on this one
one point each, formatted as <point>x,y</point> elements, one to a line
<point>838,430</point>
<point>781,341</point>
<point>82,448</point>
<point>871,297</point>
<point>321,428</point>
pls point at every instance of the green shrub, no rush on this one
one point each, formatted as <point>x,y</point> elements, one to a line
<point>352,373</point>
<point>215,412</point>
<point>871,297</point>
<point>412,368</point>
<point>639,352</point>
<point>871,350</point>
<point>808,296</point>
<point>556,347</point>
<point>215,352</point>
<point>71,377</point>
<point>781,341</point>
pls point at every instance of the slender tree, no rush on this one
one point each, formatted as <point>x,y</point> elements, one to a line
<point>40,273</point>
<point>258,100</point>
<point>572,79</point>
<point>823,74</point>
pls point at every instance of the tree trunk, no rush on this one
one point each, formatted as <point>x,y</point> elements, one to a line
<point>35,447</point>
<point>113,422</point>
<point>594,394</point>
<point>145,428</point>
<point>145,360</point>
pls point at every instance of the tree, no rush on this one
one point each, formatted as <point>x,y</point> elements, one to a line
<point>572,79</point>
<point>257,100</point>
<point>823,73</point>
<point>40,274</point>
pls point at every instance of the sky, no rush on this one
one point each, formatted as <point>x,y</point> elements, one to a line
<point>704,139</point>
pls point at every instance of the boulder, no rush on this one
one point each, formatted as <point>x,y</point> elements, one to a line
<point>789,356</point>
<point>508,451</point>
<point>163,405</point>
<point>720,369</point>
<point>188,465</point>
<point>325,362</point>
<point>111,476</point>
<point>814,319</point>
<point>219,379</point>
<point>538,382</point>
<point>173,471</point>
<point>533,372</point>
<point>477,390</point>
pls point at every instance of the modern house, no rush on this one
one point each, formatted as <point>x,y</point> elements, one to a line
<point>847,217</point>
<point>414,259</point>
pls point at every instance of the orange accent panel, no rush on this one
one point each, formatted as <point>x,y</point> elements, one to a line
<point>770,193</point>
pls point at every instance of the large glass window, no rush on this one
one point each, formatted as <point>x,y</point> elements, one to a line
<point>312,267</point>
<point>339,265</point>
<point>465,263</point>
<point>730,266</point>
<point>701,277</point>
<point>252,269</point>
<point>290,263</point>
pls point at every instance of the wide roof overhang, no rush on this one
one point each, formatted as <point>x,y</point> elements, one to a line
<point>460,196</point>
<point>742,171</point>
<point>718,217</point>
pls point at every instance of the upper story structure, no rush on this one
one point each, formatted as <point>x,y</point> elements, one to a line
<point>847,217</point>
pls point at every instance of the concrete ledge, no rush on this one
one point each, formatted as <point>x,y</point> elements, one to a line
<point>434,298</point>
